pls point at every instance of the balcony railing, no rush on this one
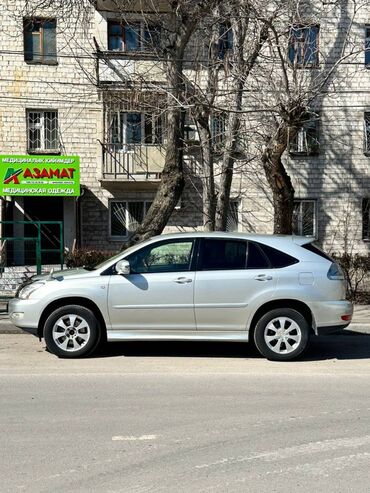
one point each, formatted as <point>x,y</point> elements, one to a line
<point>134,162</point>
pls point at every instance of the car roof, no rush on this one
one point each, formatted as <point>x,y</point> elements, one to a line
<point>299,240</point>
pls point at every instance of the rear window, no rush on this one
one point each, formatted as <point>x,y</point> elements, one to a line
<point>256,258</point>
<point>278,258</point>
<point>311,247</point>
<point>218,254</point>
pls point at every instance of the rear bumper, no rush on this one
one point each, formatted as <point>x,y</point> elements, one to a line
<point>327,315</point>
<point>334,329</point>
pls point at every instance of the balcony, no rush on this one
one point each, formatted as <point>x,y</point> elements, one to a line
<point>115,67</point>
<point>137,166</point>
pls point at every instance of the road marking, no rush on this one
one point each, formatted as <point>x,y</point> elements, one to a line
<point>120,438</point>
<point>297,450</point>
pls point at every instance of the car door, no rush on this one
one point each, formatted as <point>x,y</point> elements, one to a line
<point>158,294</point>
<point>231,274</point>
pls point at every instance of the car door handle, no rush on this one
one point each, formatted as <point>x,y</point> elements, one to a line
<point>183,280</point>
<point>263,277</point>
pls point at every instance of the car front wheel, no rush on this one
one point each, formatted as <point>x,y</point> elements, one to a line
<point>282,334</point>
<point>71,331</point>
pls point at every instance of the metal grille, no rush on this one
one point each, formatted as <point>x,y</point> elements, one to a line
<point>43,134</point>
<point>367,132</point>
<point>304,218</point>
<point>125,217</point>
<point>233,216</point>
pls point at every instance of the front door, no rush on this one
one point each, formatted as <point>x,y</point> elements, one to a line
<point>158,294</point>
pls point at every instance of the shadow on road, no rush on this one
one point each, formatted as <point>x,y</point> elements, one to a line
<point>346,346</point>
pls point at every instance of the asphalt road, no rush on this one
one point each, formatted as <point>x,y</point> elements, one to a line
<point>185,418</point>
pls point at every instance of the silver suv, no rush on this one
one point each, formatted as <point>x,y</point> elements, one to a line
<point>273,290</point>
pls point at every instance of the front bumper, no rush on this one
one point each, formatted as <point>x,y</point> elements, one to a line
<point>328,315</point>
<point>25,313</point>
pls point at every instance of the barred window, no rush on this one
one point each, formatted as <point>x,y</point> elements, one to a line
<point>306,142</point>
<point>42,130</point>
<point>304,46</point>
<point>40,40</point>
<point>367,133</point>
<point>126,216</point>
<point>305,218</point>
<point>225,41</point>
<point>366,219</point>
<point>218,123</point>
<point>233,216</point>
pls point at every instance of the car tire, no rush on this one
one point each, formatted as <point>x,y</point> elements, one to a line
<point>72,331</point>
<point>282,334</point>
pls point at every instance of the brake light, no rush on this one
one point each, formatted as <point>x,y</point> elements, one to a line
<point>335,273</point>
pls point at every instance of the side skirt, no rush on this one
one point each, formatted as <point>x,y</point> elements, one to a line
<point>164,335</point>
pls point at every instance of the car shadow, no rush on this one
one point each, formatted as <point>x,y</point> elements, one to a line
<point>345,346</point>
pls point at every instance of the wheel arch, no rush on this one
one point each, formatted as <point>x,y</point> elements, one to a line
<point>72,300</point>
<point>298,305</point>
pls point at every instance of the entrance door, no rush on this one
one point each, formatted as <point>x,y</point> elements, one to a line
<point>44,209</point>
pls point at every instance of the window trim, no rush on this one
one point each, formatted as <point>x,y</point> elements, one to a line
<point>40,20</point>
<point>115,200</point>
<point>315,216</point>
<point>42,149</point>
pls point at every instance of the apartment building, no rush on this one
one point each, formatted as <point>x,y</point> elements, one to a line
<point>93,91</point>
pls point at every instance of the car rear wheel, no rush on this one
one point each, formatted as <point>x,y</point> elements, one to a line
<point>282,334</point>
<point>71,331</point>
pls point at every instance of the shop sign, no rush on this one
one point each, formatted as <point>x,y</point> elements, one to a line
<point>39,175</point>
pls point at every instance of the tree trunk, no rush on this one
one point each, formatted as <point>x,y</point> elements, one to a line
<point>279,180</point>
<point>209,198</point>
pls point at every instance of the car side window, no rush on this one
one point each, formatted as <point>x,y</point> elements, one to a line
<point>256,257</point>
<point>218,254</point>
<point>277,258</point>
<point>172,256</point>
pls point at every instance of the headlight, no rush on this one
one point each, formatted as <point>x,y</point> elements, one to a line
<point>26,292</point>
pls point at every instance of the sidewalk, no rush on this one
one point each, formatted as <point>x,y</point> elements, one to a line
<point>360,322</point>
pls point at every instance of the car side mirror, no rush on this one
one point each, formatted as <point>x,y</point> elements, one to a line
<point>123,267</point>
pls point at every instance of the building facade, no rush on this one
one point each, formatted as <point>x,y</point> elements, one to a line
<point>90,88</point>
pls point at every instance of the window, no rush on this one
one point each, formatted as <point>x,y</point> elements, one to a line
<point>367,46</point>
<point>256,257</point>
<point>218,123</point>
<point>174,256</point>
<point>367,133</point>
<point>42,130</point>
<point>135,128</point>
<point>304,218</point>
<point>225,42</point>
<point>223,254</point>
<point>366,219</point>
<point>233,216</point>
<point>126,216</point>
<point>40,40</point>
<point>136,36</point>
<point>306,142</point>
<point>304,46</point>
<point>277,258</point>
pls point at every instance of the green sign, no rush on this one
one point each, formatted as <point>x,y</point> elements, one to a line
<point>40,175</point>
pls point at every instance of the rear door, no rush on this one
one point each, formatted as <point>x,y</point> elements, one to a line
<point>231,274</point>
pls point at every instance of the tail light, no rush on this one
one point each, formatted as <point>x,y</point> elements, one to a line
<point>335,273</point>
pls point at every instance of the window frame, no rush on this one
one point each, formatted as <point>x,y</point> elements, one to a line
<point>115,200</point>
<point>366,124</point>
<point>145,28</point>
<point>193,255</point>
<point>157,129</point>
<point>44,59</point>
<point>315,217</point>
<point>367,46</point>
<point>311,123</point>
<point>42,149</point>
<point>292,47</point>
